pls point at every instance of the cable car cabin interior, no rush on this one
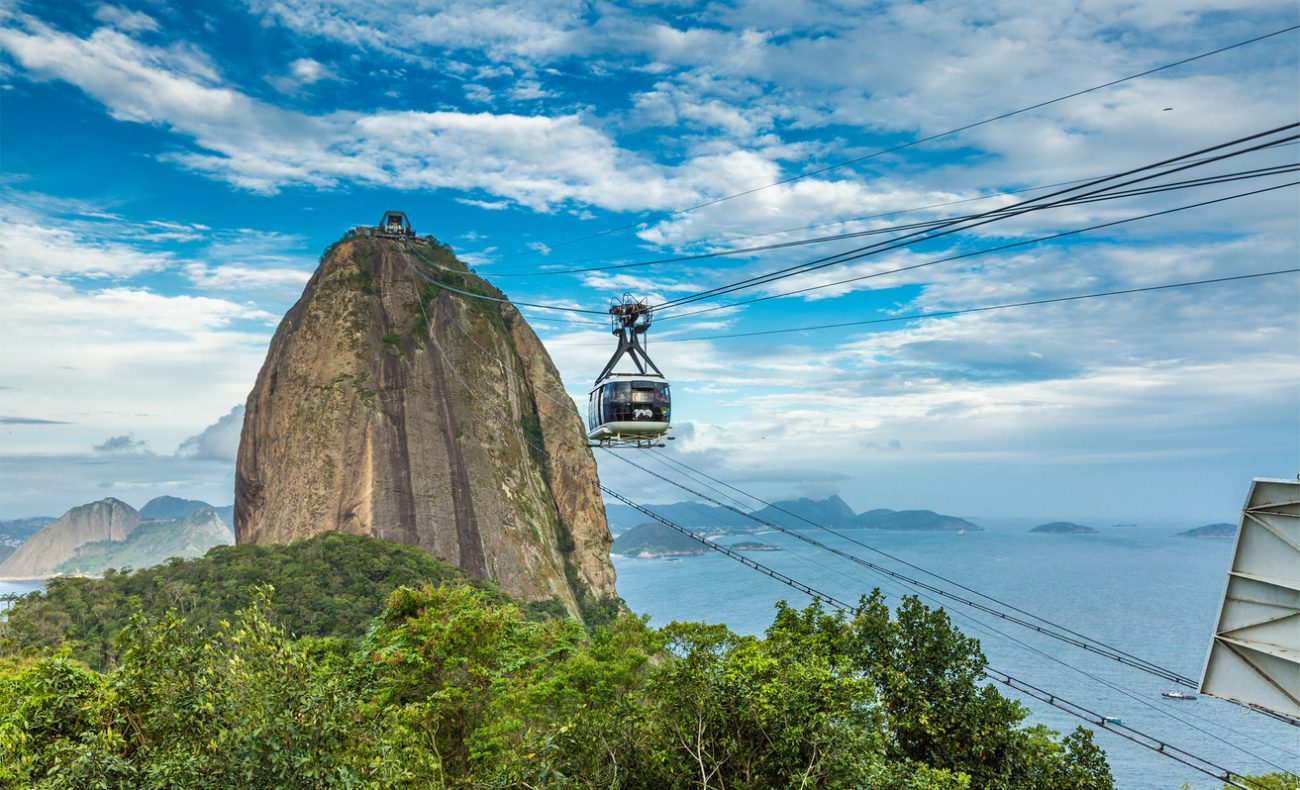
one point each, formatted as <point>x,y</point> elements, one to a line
<point>633,407</point>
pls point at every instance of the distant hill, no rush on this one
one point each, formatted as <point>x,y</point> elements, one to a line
<point>829,512</point>
<point>621,518</point>
<point>39,556</point>
<point>16,530</point>
<point>913,521</point>
<point>1211,531</point>
<point>111,534</point>
<point>1064,528</point>
<point>169,507</point>
<point>164,508</point>
<point>150,543</point>
<point>653,539</point>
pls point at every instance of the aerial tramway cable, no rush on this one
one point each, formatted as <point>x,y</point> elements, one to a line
<point>1050,200</point>
<point>1011,210</point>
<point>1207,767</point>
<point>985,309</point>
<point>785,579</point>
<point>926,139</point>
<point>979,252</point>
<point>1050,630</point>
<point>921,590</point>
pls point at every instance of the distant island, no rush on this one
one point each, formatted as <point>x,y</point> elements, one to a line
<point>801,513</point>
<point>1210,531</point>
<point>1064,528</point>
<point>653,539</point>
<point>752,545</point>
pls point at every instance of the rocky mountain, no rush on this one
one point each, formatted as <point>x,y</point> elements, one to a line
<point>390,405</point>
<point>1064,528</point>
<point>40,555</point>
<point>111,534</point>
<point>151,542</point>
<point>1211,531</point>
<point>653,539</point>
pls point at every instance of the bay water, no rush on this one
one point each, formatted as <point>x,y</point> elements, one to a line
<point>1136,587</point>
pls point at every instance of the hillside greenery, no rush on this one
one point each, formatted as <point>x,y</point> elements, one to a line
<point>332,585</point>
<point>454,685</point>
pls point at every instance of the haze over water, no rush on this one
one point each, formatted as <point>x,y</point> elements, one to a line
<point>1137,588</point>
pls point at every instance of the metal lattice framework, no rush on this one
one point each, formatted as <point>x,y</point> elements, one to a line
<point>1255,655</point>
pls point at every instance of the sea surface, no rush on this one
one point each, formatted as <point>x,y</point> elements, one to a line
<point>1137,588</point>
<point>18,588</point>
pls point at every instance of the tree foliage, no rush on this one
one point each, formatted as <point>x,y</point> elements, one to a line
<point>332,585</point>
<point>454,685</point>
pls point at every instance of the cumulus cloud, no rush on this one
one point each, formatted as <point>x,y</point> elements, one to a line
<point>126,443</point>
<point>301,73</point>
<point>217,442</point>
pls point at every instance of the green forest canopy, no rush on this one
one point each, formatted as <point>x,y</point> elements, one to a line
<point>239,683</point>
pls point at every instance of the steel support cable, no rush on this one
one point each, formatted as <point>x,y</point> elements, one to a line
<point>929,138</point>
<point>984,309</point>
<point>1082,642</point>
<point>486,298</point>
<point>562,308</point>
<point>995,215</point>
<point>783,577</point>
<point>881,230</point>
<point>896,212</point>
<point>948,228</point>
<point>1163,671</point>
<point>992,630</point>
<point>1150,742</point>
<point>982,251</point>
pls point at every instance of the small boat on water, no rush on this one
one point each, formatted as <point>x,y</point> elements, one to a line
<point>1111,720</point>
<point>1178,695</point>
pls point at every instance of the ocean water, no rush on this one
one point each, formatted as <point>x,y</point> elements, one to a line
<point>18,588</point>
<point>1137,588</point>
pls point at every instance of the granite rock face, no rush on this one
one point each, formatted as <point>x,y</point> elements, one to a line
<point>41,554</point>
<point>392,406</point>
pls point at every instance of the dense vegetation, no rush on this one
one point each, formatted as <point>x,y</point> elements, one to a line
<point>454,685</point>
<point>332,585</point>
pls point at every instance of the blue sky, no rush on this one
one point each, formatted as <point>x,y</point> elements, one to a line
<point>170,173</point>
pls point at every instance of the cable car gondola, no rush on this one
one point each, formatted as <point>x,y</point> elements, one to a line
<point>629,409</point>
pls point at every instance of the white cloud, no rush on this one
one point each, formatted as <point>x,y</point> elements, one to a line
<point>233,277</point>
<point>302,72</point>
<point>126,20</point>
<point>46,246</point>
<point>217,442</point>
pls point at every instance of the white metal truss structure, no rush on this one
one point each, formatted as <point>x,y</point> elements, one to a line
<point>1254,658</point>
